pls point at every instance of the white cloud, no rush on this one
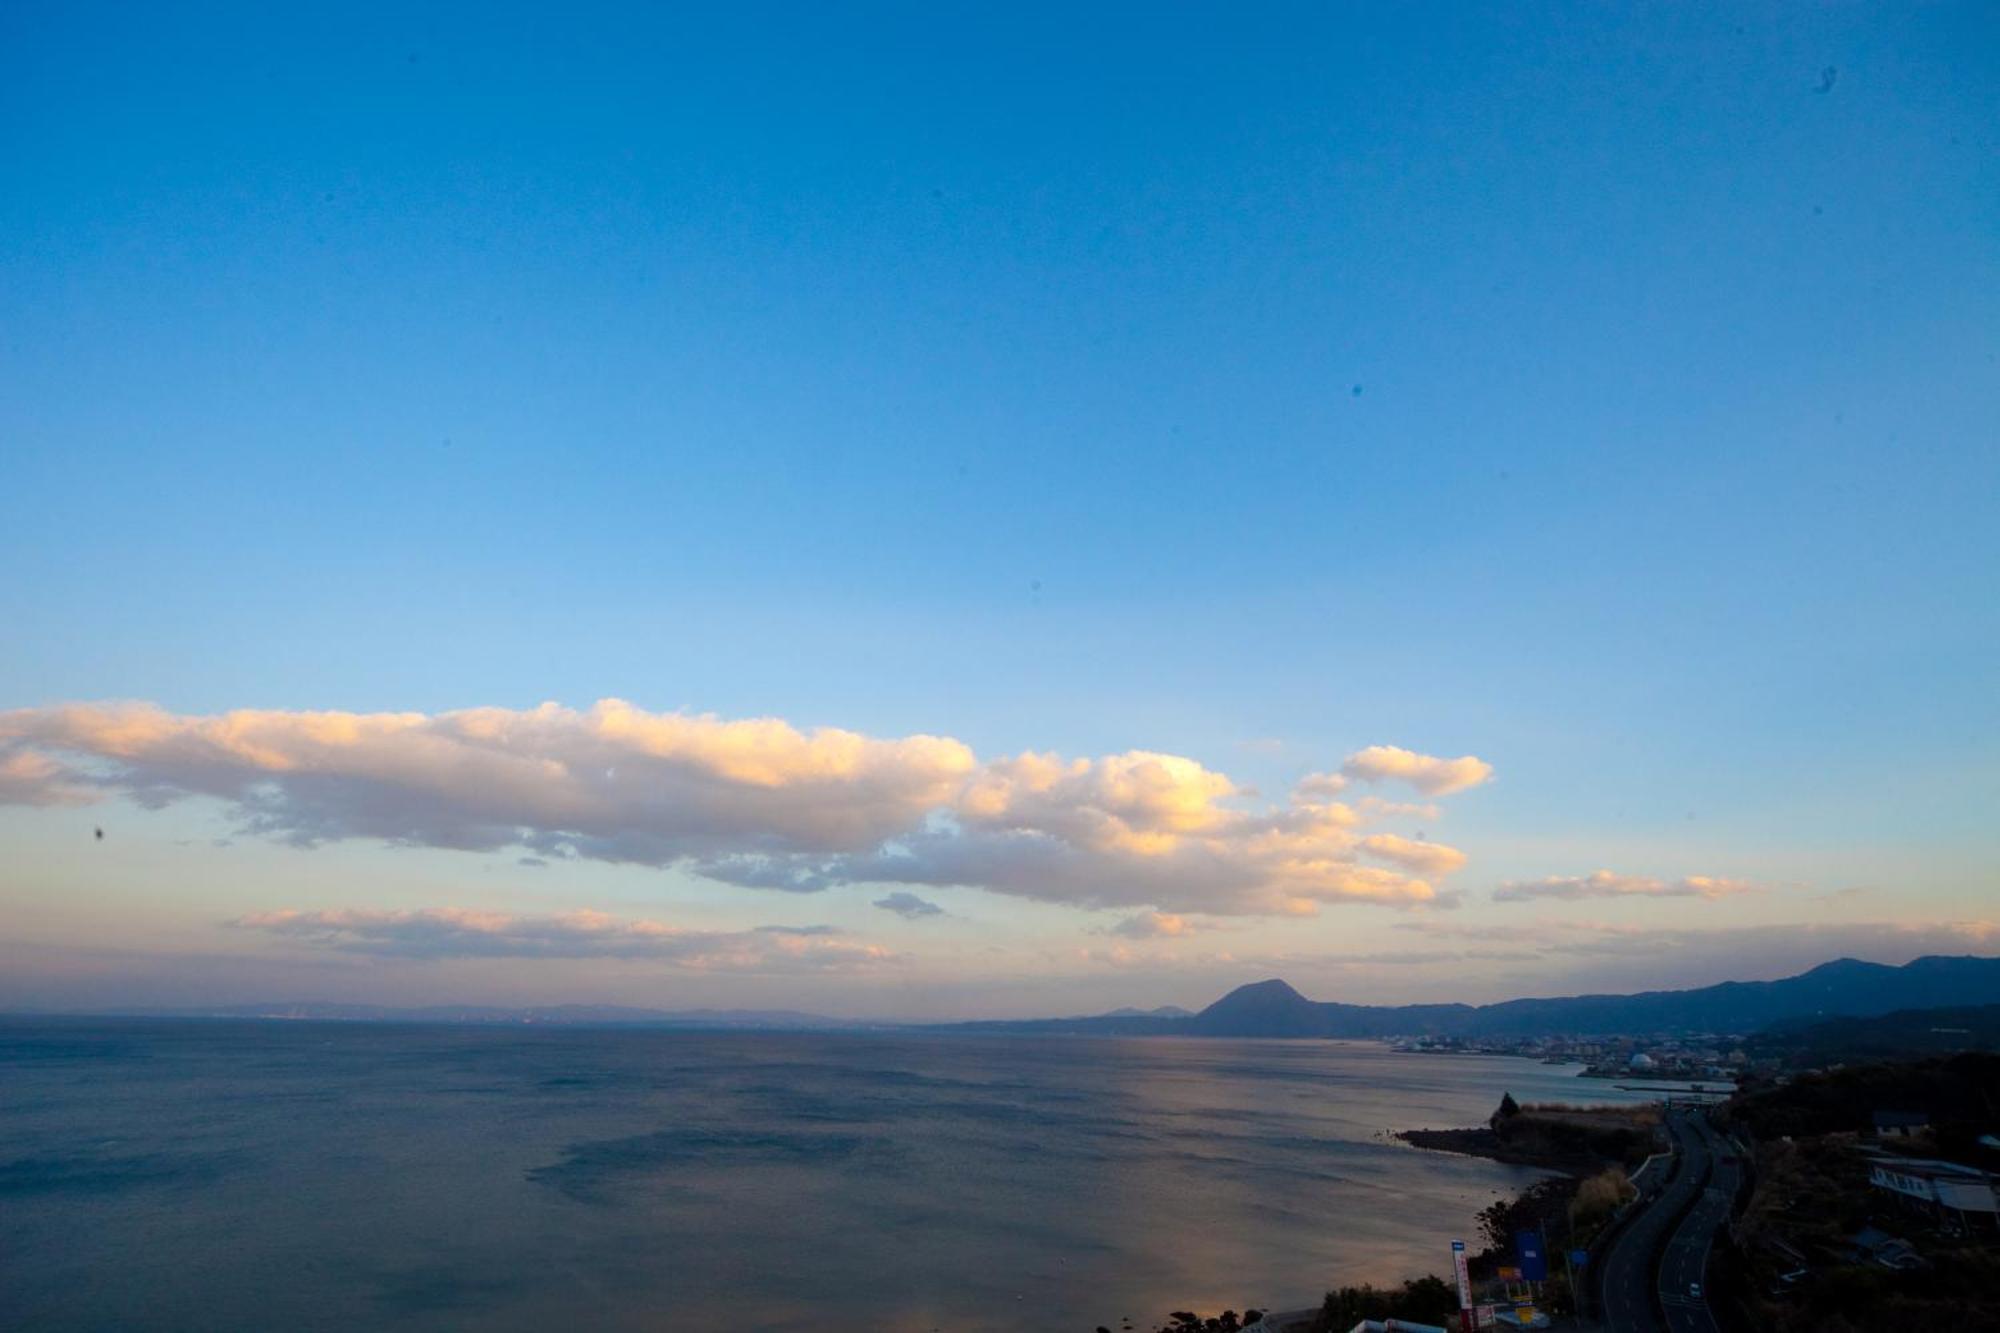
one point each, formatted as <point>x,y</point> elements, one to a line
<point>454,932</point>
<point>755,802</point>
<point>1605,884</point>
<point>1427,773</point>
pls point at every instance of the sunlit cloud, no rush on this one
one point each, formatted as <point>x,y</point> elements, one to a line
<point>1374,807</point>
<point>1154,925</point>
<point>1605,884</point>
<point>1426,858</point>
<point>613,782</point>
<point>1427,773</point>
<point>28,777</point>
<point>454,932</point>
<point>1266,865</point>
<point>758,802</point>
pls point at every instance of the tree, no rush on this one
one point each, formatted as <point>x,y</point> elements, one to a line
<point>1501,1220</point>
<point>1424,1300</point>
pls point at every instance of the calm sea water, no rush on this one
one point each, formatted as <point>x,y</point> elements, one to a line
<point>167,1175</point>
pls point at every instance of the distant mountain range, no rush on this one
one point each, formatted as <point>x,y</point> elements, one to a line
<point>1844,988</point>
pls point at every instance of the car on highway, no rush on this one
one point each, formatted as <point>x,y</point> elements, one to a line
<point>1694,1290</point>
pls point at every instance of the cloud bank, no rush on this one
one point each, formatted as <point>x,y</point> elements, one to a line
<point>455,932</point>
<point>1579,954</point>
<point>754,802</point>
<point>1605,884</point>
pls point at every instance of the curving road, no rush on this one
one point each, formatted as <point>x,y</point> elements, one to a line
<point>1633,1286</point>
<point>1684,1263</point>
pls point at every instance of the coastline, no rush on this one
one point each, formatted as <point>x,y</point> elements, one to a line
<point>1483,1142</point>
<point>1414,1293</point>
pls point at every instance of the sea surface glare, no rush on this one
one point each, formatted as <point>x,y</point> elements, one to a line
<point>253,1176</point>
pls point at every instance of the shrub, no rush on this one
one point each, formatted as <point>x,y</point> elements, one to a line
<point>1596,1200</point>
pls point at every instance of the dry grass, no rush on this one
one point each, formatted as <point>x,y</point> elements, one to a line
<point>1643,1116</point>
<point>1596,1200</point>
<point>1639,1120</point>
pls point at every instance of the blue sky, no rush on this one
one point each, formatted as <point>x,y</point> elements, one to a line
<point>1608,395</point>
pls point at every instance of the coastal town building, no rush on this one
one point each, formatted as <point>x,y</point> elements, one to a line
<point>1900,1123</point>
<point>1876,1246</point>
<point>1944,1190</point>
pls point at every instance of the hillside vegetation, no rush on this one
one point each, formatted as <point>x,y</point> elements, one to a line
<point>1794,1265</point>
<point>1904,1035</point>
<point>1960,1094</point>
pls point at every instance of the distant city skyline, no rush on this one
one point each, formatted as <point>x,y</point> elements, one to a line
<point>904,515</point>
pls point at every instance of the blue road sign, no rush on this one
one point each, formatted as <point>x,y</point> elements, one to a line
<point>1534,1262</point>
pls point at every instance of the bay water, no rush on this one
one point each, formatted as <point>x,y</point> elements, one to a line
<point>161,1174</point>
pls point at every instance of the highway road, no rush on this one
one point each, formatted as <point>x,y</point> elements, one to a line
<point>1684,1263</point>
<point>1631,1291</point>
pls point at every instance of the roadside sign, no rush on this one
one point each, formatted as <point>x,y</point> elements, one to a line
<point>1534,1261</point>
<point>1578,1258</point>
<point>1464,1277</point>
